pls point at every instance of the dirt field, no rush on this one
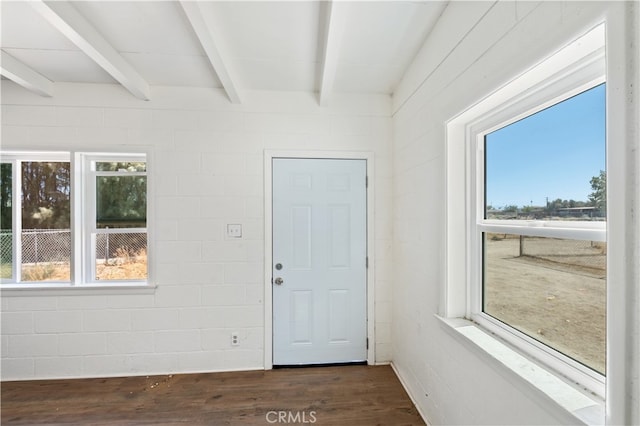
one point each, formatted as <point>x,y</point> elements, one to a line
<point>558,302</point>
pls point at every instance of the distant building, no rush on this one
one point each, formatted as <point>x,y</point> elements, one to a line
<point>579,212</point>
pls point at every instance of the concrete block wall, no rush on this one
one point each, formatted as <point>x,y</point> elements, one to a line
<point>206,170</point>
<point>475,48</point>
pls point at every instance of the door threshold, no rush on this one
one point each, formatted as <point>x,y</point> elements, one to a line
<point>332,364</point>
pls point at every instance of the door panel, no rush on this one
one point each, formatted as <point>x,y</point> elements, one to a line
<point>338,318</point>
<point>339,236</point>
<point>301,237</point>
<point>301,319</point>
<point>319,238</point>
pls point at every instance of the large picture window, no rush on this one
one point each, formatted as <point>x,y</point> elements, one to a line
<point>537,234</point>
<point>39,223</point>
<point>535,208</point>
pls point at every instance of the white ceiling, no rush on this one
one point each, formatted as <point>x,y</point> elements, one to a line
<point>314,46</point>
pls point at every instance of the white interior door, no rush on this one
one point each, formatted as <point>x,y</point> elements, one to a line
<point>319,261</point>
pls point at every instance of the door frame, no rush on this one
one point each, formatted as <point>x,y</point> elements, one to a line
<point>269,155</point>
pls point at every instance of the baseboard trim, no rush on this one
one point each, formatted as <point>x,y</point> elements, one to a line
<point>128,374</point>
<point>408,390</point>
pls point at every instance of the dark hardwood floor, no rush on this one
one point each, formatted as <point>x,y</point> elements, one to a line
<point>346,395</point>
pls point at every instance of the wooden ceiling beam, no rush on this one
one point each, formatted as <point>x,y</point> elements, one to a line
<point>336,19</point>
<point>200,17</point>
<point>25,76</point>
<point>66,19</point>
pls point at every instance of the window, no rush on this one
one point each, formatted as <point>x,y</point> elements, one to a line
<point>527,214</point>
<point>542,227</point>
<point>46,241</point>
<point>118,221</point>
<point>6,221</point>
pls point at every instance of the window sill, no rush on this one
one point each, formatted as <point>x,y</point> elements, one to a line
<point>13,290</point>
<point>583,408</point>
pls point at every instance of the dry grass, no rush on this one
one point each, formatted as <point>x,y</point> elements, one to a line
<point>5,270</point>
<point>124,266</point>
<point>46,272</point>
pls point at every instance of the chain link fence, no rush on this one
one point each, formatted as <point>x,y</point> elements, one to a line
<point>45,254</point>
<point>46,246</point>
<point>121,256</point>
<point>6,253</point>
<point>38,246</point>
<point>119,248</point>
<point>54,245</point>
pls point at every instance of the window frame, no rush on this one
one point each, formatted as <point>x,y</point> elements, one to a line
<point>577,67</point>
<point>89,228</point>
<point>16,159</point>
<point>82,201</point>
<point>575,230</point>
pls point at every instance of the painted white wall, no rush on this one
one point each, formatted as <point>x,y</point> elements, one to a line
<point>634,250</point>
<point>206,165</point>
<point>475,48</point>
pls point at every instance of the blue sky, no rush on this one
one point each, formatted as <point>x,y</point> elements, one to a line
<point>553,153</point>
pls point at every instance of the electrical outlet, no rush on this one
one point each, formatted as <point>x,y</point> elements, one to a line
<point>234,230</point>
<point>235,339</point>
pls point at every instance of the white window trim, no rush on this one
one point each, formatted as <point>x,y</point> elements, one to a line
<point>577,67</point>
<point>89,229</point>
<point>79,282</point>
<point>15,158</point>
<point>567,86</point>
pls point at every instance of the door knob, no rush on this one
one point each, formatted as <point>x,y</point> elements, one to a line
<point>279,281</point>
